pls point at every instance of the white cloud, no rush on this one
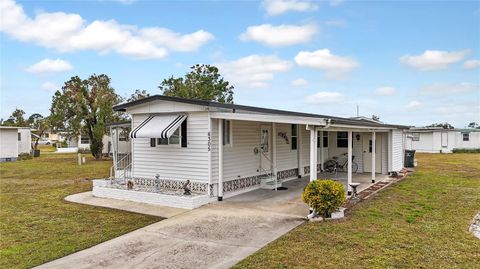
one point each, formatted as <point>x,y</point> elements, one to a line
<point>49,86</point>
<point>299,82</point>
<point>471,64</point>
<point>442,89</point>
<point>50,66</point>
<point>254,71</point>
<point>325,98</point>
<point>66,32</point>
<point>334,66</point>
<point>175,41</point>
<point>413,104</point>
<point>277,7</point>
<point>433,59</point>
<point>385,91</point>
<point>282,35</point>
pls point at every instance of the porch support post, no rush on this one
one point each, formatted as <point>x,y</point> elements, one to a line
<point>112,141</point>
<point>349,164</point>
<point>313,153</point>
<point>374,150</point>
<point>220,159</point>
<point>322,158</point>
<point>299,151</point>
<point>274,153</point>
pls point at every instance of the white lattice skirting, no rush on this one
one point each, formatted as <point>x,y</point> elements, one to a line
<point>101,189</point>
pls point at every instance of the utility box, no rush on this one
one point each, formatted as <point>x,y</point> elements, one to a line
<point>409,158</point>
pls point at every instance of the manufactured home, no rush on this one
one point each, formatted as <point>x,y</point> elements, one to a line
<point>439,140</point>
<point>14,141</point>
<point>220,150</point>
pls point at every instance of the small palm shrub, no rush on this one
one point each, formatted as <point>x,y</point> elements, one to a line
<point>324,196</point>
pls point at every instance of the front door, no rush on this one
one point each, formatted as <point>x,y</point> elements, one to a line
<point>367,153</point>
<point>265,148</point>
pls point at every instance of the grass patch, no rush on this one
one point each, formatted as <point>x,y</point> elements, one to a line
<point>37,225</point>
<point>420,222</point>
<point>46,148</point>
<point>460,150</point>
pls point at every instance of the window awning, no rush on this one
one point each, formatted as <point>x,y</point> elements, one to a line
<point>160,126</point>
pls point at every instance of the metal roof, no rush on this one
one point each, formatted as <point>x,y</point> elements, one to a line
<point>234,107</point>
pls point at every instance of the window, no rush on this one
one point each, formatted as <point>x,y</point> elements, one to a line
<point>342,139</point>
<point>294,136</point>
<point>19,136</point>
<point>123,134</point>
<point>173,140</point>
<point>227,132</point>
<point>84,140</point>
<point>466,136</point>
<point>325,139</point>
<point>415,137</point>
<point>183,133</point>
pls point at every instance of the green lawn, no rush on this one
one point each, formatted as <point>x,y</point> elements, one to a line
<point>37,225</point>
<point>420,222</point>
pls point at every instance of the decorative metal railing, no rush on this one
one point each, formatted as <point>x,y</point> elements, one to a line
<point>122,170</point>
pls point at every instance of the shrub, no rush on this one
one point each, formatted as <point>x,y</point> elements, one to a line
<point>24,156</point>
<point>477,150</point>
<point>324,196</point>
<point>64,144</point>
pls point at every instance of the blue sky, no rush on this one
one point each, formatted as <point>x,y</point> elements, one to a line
<point>408,62</point>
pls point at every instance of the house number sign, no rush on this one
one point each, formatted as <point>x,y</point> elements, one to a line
<point>209,141</point>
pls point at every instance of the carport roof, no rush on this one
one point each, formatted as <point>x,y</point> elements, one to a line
<point>234,107</point>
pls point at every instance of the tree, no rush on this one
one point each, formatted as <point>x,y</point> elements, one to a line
<point>16,119</point>
<point>137,95</point>
<point>84,106</point>
<point>33,120</point>
<point>474,125</point>
<point>445,125</point>
<point>203,82</point>
<point>40,126</point>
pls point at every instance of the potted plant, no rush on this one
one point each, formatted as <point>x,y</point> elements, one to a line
<point>324,197</point>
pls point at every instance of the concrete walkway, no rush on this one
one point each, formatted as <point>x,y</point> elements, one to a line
<point>142,208</point>
<point>217,235</point>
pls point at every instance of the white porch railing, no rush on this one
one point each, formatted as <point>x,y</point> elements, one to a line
<point>268,176</point>
<point>122,170</point>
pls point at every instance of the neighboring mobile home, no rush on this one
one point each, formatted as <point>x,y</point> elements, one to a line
<point>227,149</point>
<point>439,140</point>
<point>14,141</point>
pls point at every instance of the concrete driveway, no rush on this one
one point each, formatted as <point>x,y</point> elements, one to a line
<point>217,235</point>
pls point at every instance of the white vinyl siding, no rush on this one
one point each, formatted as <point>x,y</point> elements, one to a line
<point>384,153</point>
<point>172,161</point>
<point>357,150</point>
<point>305,146</point>
<point>214,149</point>
<point>286,157</point>
<point>397,150</point>
<point>8,143</point>
<point>25,145</point>
<point>239,159</point>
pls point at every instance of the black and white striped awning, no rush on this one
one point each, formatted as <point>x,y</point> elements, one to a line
<point>158,126</point>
